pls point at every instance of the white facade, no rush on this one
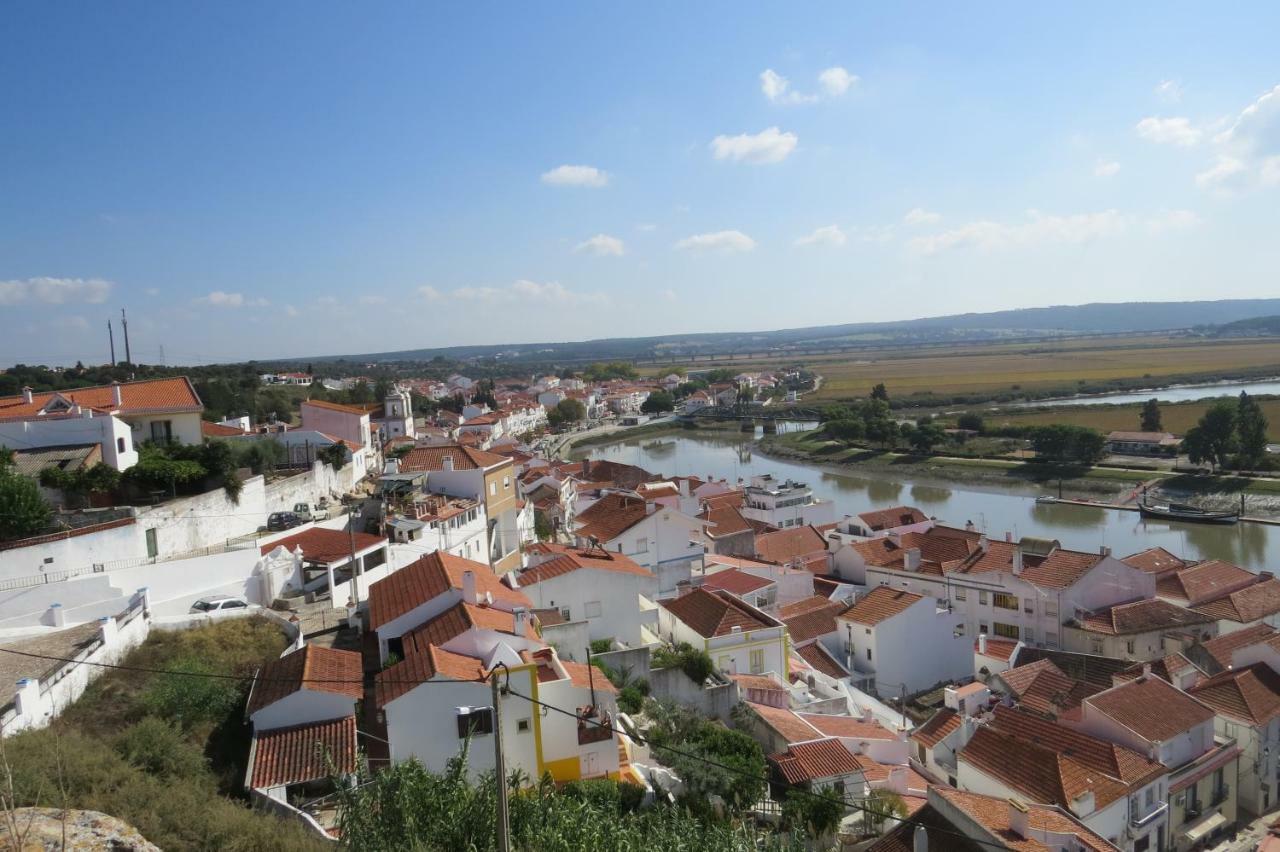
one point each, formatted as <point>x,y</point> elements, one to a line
<point>785,504</point>
<point>666,541</point>
<point>112,434</point>
<point>614,604</point>
<point>739,652</point>
<point>916,649</point>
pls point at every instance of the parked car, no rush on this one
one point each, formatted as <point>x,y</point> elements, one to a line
<point>280,521</point>
<point>311,511</point>
<point>219,603</point>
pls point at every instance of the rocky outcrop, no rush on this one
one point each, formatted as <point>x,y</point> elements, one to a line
<point>41,830</point>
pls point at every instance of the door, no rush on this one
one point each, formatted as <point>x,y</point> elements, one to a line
<point>590,764</point>
<point>153,547</point>
<point>161,431</point>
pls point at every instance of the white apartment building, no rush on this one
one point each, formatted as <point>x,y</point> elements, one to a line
<point>739,638</point>
<point>897,642</point>
<point>785,504</point>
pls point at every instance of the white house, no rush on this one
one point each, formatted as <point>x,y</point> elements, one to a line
<point>1246,704</point>
<point>605,588</point>
<point>738,637</point>
<point>348,423</point>
<point>116,417</point>
<point>896,641</point>
<point>1255,604</point>
<point>664,540</point>
<point>1138,630</point>
<point>785,504</point>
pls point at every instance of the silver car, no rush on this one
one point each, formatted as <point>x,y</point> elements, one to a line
<point>219,603</point>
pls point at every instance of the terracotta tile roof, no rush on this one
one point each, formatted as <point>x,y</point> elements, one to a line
<point>738,582</point>
<point>148,395</point>
<point>1035,773</point>
<point>1203,581</point>
<point>997,648</point>
<point>460,618</point>
<point>729,499</point>
<point>942,835</point>
<point>625,475</point>
<point>760,682</point>
<point>813,622</point>
<point>710,614</point>
<point>1246,605</point>
<point>579,676</point>
<point>571,559</point>
<point>284,756</point>
<point>941,549</point>
<point>816,655</point>
<point>429,577</point>
<point>1250,694</point>
<point>610,516</point>
<point>1155,560</point>
<point>809,761</point>
<point>1127,766</point>
<point>1142,616</point>
<point>1151,708</point>
<point>217,430</point>
<point>1221,648</point>
<point>325,546</point>
<point>335,406</point>
<point>309,667</point>
<point>1169,668</point>
<point>1060,569</point>
<point>464,458</point>
<point>887,519</point>
<point>847,726</point>
<point>724,521</point>
<point>1043,688</point>
<point>800,543</point>
<point>550,616</point>
<point>880,603</point>
<point>804,605</point>
<point>992,813</point>
<point>423,664</point>
<point>939,726</point>
<point>786,723</point>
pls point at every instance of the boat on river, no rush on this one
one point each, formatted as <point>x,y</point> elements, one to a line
<point>1183,512</point>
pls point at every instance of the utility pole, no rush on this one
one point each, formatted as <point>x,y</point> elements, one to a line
<point>351,537</point>
<point>111,338</point>
<point>504,827</point>
<point>124,322</point>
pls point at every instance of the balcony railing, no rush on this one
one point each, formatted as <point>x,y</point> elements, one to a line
<point>1140,820</point>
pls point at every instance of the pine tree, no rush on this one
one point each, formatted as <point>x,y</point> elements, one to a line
<point>1151,416</point>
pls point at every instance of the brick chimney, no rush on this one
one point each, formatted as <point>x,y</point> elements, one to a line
<point>982,643</point>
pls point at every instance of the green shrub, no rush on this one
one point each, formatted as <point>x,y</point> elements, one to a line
<point>601,646</point>
<point>189,699</point>
<point>630,700</point>
<point>159,748</point>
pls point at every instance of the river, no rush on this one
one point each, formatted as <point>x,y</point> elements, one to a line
<point>995,509</point>
<point>1174,393</point>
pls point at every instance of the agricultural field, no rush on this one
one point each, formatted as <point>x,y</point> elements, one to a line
<point>958,370</point>
<point>1176,418</point>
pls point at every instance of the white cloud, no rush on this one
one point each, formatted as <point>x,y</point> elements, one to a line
<point>1170,131</point>
<point>551,292</point>
<point>1225,171</point>
<point>71,323</point>
<point>1169,91</point>
<point>327,301</point>
<point>920,216</point>
<point>1106,168</point>
<point>220,299</point>
<point>778,89</point>
<point>431,294</point>
<point>770,145</point>
<point>727,242</point>
<point>290,311</point>
<point>828,235</point>
<point>601,245</point>
<point>588,176</point>
<point>1248,150</point>
<point>877,234</point>
<point>836,81</point>
<point>54,291</point>
<point>373,300</point>
<point>1270,171</point>
<point>1041,228</point>
<point>646,227</point>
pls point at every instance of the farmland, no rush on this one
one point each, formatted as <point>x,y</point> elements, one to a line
<point>993,369</point>
<point>1175,418</point>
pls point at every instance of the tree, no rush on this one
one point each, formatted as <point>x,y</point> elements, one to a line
<point>1251,430</point>
<point>815,815</point>
<point>1150,416</point>
<point>1061,443</point>
<point>381,388</point>
<point>970,420</point>
<point>926,437</point>
<point>542,526</point>
<point>882,431</point>
<point>360,392</point>
<point>102,478</point>
<point>845,430</point>
<point>657,403</point>
<point>1213,438</point>
<point>880,392</point>
<point>882,805</point>
<point>567,411</point>
<point>23,512</point>
<point>334,455</point>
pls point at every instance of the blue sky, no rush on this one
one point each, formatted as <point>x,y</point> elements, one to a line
<point>258,180</point>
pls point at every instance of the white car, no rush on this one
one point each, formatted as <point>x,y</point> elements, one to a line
<point>215,604</point>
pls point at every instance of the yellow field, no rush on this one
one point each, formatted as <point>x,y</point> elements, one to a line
<point>992,368</point>
<point>1174,418</point>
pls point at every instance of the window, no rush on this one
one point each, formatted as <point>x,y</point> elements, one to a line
<point>474,721</point>
<point>1005,601</point>
<point>982,598</point>
<point>642,545</point>
<point>1151,796</point>
<point>1008,631</point>
<point>493,489</point>
<point>757,661</point>
<point>1028,635</point>
<point>522,726</point>
<point>564,613</point>
<point>868,654</point>
<point>506,483</point>
<point>961,595</point>
<point>1051,639</point>
<point>725,664</point>
<point>1129,646</point>
<point>982,627</point>
<point>1051,609</point>
<point>153,548</point>
<point>1095,646</point>
<point>591,609</point>
<point>1029,606</point>
<point>120,445</point>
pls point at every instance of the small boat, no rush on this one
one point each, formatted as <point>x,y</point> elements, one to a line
<point>1183,512</point>
<point>1046,498</point>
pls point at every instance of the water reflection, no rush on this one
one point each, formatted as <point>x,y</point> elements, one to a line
<point>997,509</point>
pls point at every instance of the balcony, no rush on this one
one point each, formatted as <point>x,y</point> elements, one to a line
<point>1220,795</point>
<point>1138,820</point>
<point>592,730</point>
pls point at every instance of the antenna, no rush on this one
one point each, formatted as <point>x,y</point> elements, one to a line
<point>124,322</point>
<point>161,354</point>
<point>111,338</point>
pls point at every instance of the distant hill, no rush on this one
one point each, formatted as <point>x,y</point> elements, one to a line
<point>1095,318</point>
<point>1253,327</point>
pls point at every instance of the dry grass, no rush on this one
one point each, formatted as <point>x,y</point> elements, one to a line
<point>993,368</point>
<point>1176,418</point>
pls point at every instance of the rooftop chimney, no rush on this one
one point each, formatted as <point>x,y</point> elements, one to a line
<point>447,462</point>
<point>116,396</point>
<point>1146,670</point>
<point>920,839</point>
<point>683,588</point>
<point>469,587</point>
<point>521,617</point>
<point>26,395</point>
<point>970,526</point>
<point>650,507</point>
<point>1008,536</point>
<point>982,643</point>
<point>1018,817</point>
<point>984,543</point>
<point>911,559</point>
<point>1104,550</point>
<point>1017,561</point>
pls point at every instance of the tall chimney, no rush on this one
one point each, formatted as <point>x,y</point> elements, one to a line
<point>982,643</point>
<point>1017,561</point>
<point>920,839</point>
<point>469,587</point>
<point>26,396</point>
<point>1018,818</point>
<point>520,617</point>
<point>911,559</point>
<point>117,398</point>
<point>111,339</point>
<point>447,462</point>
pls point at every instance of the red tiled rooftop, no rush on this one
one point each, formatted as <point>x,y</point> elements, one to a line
<point>1151,708</point>
<point>816,655</point>
<point>880,603</point>
<point>1249,604</point>
<point>284,756</point>
<point>709,614</point>
<point>610,516</point>
<point>324,546</point>
<point>796,543</point>
<point>148,395</point>
<point>336,406</point>
<point>738,582</point>
<point>1221,648</point>
<point>462,458</point>
<point>1250,694</point>
<point>570,559</point>
<point>429,577</point>
<point>1203,581</point>
<point>420,665</point>
<point>887,519</point>
<point>309,667</point>
<point>813,622</point>
<point>1143,616</point>
<point>1155,560</point>
<point>937,728</point>
<point>809,761</point>
<point>830,725</point>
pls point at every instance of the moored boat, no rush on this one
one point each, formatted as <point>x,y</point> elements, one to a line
<point>1183,512</point>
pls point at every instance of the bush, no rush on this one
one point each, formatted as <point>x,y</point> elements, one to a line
<point>601,646</point>
<point>695,663</point>
<point>630,700</point>
<point>23,512</point>
<point>188,699</point>
<point>159,748</point>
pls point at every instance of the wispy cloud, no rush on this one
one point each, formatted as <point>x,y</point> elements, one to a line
<point>431,294</point>
<point>1248,152</point>
<point>221,299</point>
<point>727,242</point>
<point>525,290</point>
<point>54,291</point>
<point>1106,168</point>
<point>836,81</point>
<point>588,176</point>
<point>373,299</point>
<point>920,216</point>
<point>601,245</point>
<point>770,145</point>
<point>778,89</point>
<point>1041,228</point>
<point>827,235</point>
<point>1169,91</point>
<point>1177,130</point>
